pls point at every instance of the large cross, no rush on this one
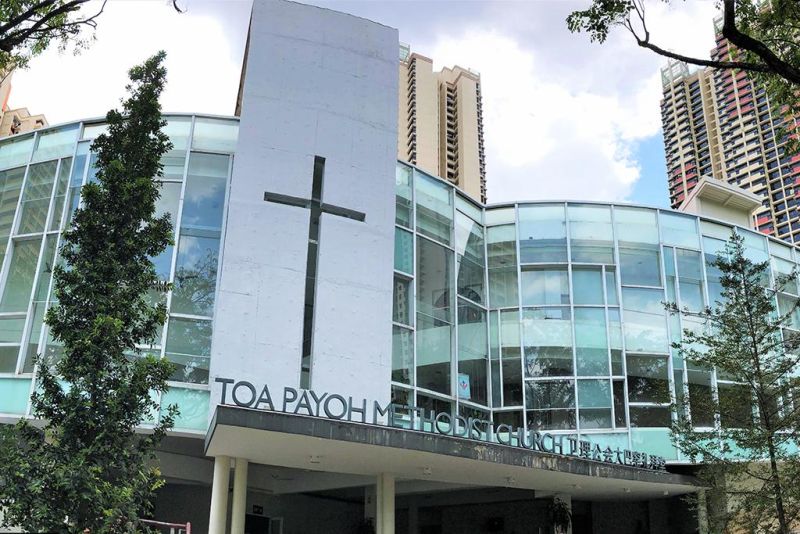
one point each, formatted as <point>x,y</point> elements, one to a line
<point>317,208</point>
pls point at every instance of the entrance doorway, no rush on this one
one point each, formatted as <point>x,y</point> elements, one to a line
<point>258,524</point>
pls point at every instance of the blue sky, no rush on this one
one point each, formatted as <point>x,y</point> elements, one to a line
<point>565,118</point>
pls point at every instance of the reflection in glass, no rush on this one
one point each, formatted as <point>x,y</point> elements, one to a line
<point>403,251</point>
<point>645,320</point>
<point>10,186</point>
<point>640,266</point>
<point>401,309</point>
<point>19,281</point>
<point>648,378</point>
<point>56,143</point>
<point>594,403</point>
<point>511,355</point>
<point>472,353</point>
<point>402,355</point>
<point>649,416</point>
<point>615,341</point>
<point>167,203</point>
<point>10,333</point>
<point>545,287</point>
<point>215,135</point>
<point>15,151</point>
<point>403,195</point>
<point>195,275</point>
<point>542,234</point>
<point>701,400</point>
<point>502,251</point>
<point>434,208</point>
<point>36,197</point>
<point>679,230</point>
<point>189,347</point>
<point>204,198</point>
<point>587,285</point>
<point>434,280</point>
<point>470,258</point>
<point>548,341</point>
<point>551,404</point>
<point>60,194</point>
<point>434,342</point>
<point>690,279</point>
<point>591,235</point>
<point>591,348</point>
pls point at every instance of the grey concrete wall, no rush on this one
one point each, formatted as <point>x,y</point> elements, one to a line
<point>321,83</point>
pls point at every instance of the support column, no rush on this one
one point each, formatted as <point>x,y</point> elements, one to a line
<point>238,507</point>
<point>385,504</point>
<point>566,499</point>
<point>219,495</point>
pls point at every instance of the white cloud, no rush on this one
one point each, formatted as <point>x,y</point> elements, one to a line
<point>569,133</point>
<point>202,75</point>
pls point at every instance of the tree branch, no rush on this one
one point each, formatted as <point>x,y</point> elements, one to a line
<point>745,42</point>
<point>8,43</point>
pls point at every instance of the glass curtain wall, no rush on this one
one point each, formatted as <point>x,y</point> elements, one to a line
<point>40,179</point>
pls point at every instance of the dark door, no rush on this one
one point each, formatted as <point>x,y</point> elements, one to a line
<point>256,524</point>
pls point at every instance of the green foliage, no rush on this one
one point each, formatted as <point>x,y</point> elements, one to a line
<point>87,467</point>
<point>28,27</point>
<point>750,456</point>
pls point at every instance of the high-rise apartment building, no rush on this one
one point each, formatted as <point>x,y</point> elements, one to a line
<point>440,123</point>
<point>15,121</point>
<point>719,123</point>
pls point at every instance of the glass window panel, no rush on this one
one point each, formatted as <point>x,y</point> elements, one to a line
<point>36,197</point>
<point>512,382</point>
<point>167,203</point>
<point>509,333</point>
<point>552,405</point>
<point>648,378</point>
<point>10,187</point>
<point>545,287</point>
<point>594,402</point>
<point>755,246</point>
<point>615,341</point>
<point>472,354</point>
<point>60,194</point>
<point>469,239</point>
<point>402,189</point>
<point>591,235</point>
<point>701,400</point>
<point>434,208</point>
<point>591,347</point>
<point>783,268</point>
<point>548,341</point>
<point>403,251</point>
<point>620,420</point>
<point>587,285</point>
<point>434,280</point>
<point>470,279</point>
<point>434,343</point>
<point>32,348</point>
<point>649,417</point>
<point>645,320</point>
<point>11,329</point>
<point>690,279</point>
<point>788,304</point>
<point>19,281</point>
<point>433,404</point>
<point>90,131</point>
<point>216,135</point>
<point>204,198</point>
<point>780,250</point>
<point>502,262</point>
<point>76,180</point>
<point>510,418</point>
<point>679,230</point>
<point>635,225</point>
<point>611,287</point>
<point>9,354</point>
<point>402,355</point>
<point>189,348</point>
<point>669,273</point>
<point>401,311</point>
<point>542,234</point>
<point>735,405</point>
<point>57,143</point>
<point>494,353</point>
<point>495,216</point>
<point>468,208</point>
<point>15,151</point>
<point>712,247</point>
<point>195,275</point>
<point>640,266</point>
<point>177,129</point>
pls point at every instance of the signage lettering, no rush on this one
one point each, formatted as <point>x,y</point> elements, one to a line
<point>334,406</point>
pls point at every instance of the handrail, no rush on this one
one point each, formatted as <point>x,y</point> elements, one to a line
<point>186,527</point>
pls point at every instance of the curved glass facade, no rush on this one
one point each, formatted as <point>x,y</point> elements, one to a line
<point>547,315</point>
<point>40,179</point>
<point>551,315</point>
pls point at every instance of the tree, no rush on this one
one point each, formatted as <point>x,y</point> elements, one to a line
<point>765,39</point>
<point>27,27</point>
<point>749,456</point>
<point>87,467</point>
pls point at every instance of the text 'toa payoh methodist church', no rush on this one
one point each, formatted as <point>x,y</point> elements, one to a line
<point>359,345</point>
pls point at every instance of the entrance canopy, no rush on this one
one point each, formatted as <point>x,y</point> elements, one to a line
<point>334,446</point>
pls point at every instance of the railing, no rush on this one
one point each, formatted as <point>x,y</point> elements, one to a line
<point>174,528</point>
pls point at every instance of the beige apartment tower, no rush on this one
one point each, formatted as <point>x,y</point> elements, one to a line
<point>15,121</point>
<point>440,126</point>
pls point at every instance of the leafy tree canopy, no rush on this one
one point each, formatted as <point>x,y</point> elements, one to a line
<point>87,467</point>
<point>748,446</point>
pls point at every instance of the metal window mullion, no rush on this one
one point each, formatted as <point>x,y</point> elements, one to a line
<point>571,307</point>
<point>520,330</point>
<point>608,348</point>
<point>414,274</point>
